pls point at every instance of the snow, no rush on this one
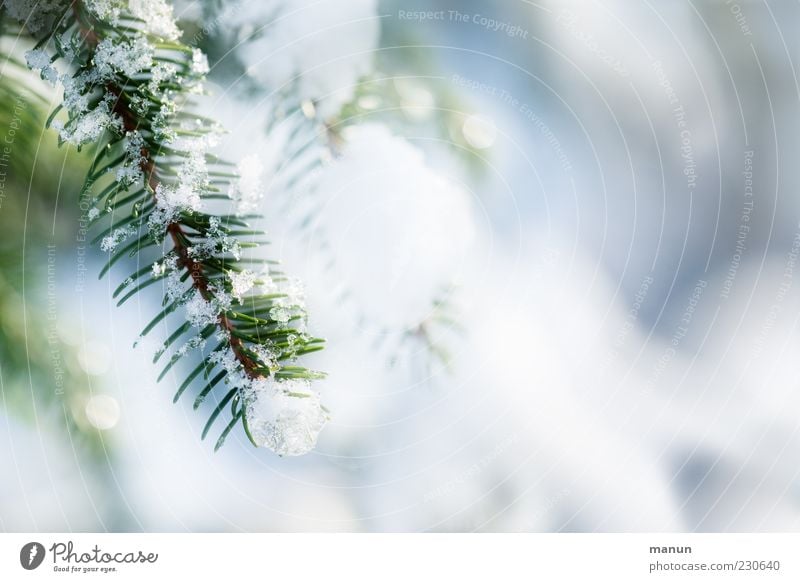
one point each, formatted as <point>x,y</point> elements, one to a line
<point>156,15</point>
<point>175,288</point>
<point>199,312</point>
<point>199,64</point>
<point>216,241</point>
<point>131,170</point>
<point>126,57</point>
<point>76,99</point>
<point>39,60</point>
<point>89,126</point>
<point>290,305</point>
<point>184,196</point>
<point>285,416</point>
<point>110,242</point>
<point>108,10</point>
<point>419,224</point>
<point>241,282</point>
<point>268,356</point>
<point>39,16</point>
<point>161,73</point>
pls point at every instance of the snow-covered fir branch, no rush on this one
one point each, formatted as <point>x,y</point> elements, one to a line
<point>154,184</point>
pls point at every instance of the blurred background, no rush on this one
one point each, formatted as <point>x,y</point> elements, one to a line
<point>552,247</point>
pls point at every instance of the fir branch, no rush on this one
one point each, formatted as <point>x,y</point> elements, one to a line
<point>129,91</point>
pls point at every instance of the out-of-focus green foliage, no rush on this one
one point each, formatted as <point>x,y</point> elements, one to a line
<point>40,378</point>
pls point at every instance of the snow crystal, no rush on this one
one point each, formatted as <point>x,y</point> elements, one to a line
<point>292,304</point>
<point>89,126</point>
<point>267,284</point>
<point>285,416</point>
<point>280,314</point>
<point>76,97</point>
<point>268,356</point>
<point>295,293</point>
<point>175,288</point>
<point>194,169</point>
<point>199,62</point>
<point>39,60</point>
<point>129,174</point>
<point>156,15</point>
<point>222,299</point>
<point>160,73</point>
<point>196,342</point>
<point>216,241</point>
<point>200,312</point>
<point>226,359</point>
<point>131,170</point>
<point>241,282</point>
<point>111,242</point>
<point>39,16</point>
<point>126,57</point>
<point>161,122</point>
<point>171,200</point>
<point>108,10</point>
<point>184,196</point>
